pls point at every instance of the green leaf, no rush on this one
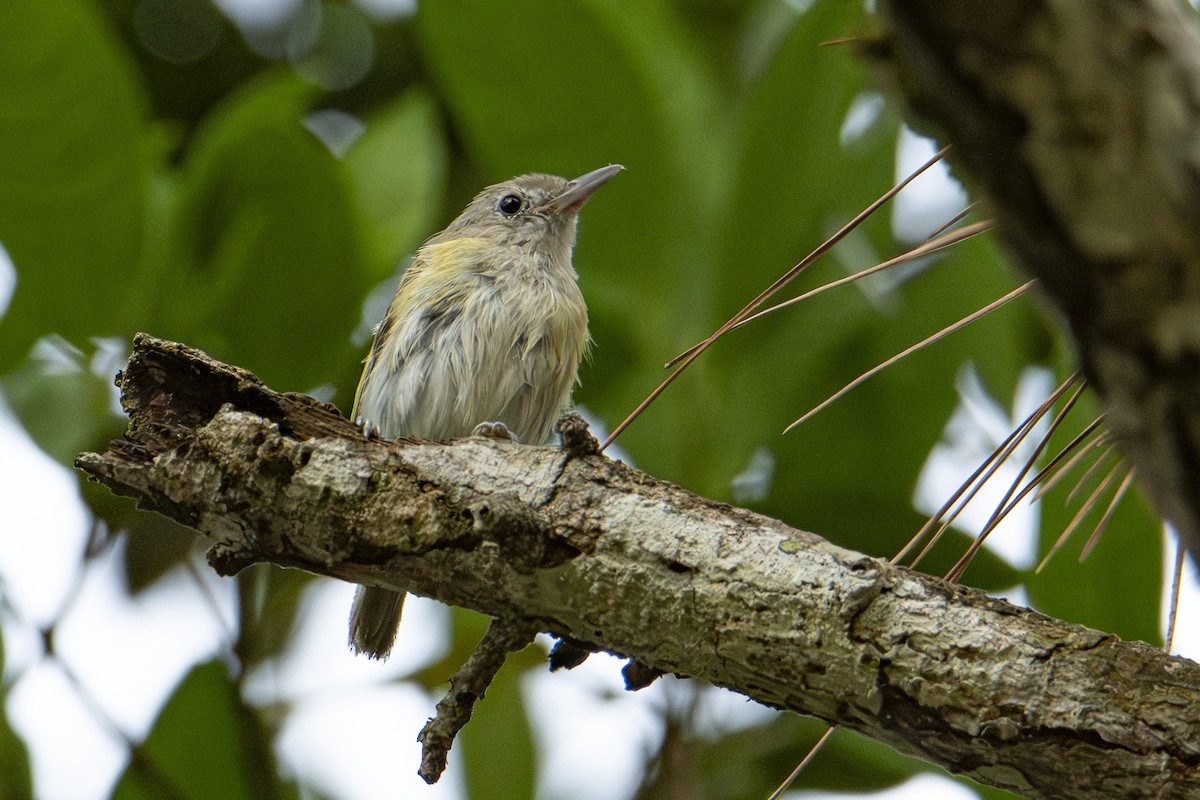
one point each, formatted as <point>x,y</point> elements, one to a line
<point>72,174</point>
<point>63,405</point>
<point>794,185</point>
<point>497,744</point>
<point>206,743</point>
<point>153,545</point>
<point>569,86</point>
<point>753,762</point>
<point>794,181</point>
<point>270,601</point>
<point>397,170</point>
<point>17,781</point>
<point>603,89</point>
<point>268,272</point>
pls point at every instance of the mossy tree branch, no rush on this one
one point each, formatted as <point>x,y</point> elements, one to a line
<point>567,541</point>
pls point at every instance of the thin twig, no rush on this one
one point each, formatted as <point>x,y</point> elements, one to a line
<point>467,686</point>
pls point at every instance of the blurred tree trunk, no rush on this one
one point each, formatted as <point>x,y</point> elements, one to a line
<point>1079,124</point>
<point>567,541</point>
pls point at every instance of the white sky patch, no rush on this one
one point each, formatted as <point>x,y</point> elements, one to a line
<point>387,10</point>
<point>43,531</point>
<point>929,201</point>
<point>73,756</point>
<point>110,357</point>
<point>753,484</point>
<point>597,736</point>
<point>319,660</point>
<point>600,430</point>
<point>132,652</point>
<point>865,110</point>
<point>1187,631</point>
<point>8,280</point>
<point>974,430</point>
<point>927,786</point>
<point>722,712</point>
<point>361,742</point>
<point>128,655</point>
<point>258,13</point>
<point>335,129</point>
<point>44,524</point>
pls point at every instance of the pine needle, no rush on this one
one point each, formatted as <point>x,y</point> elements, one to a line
<point>920,251</point>
<point>1104,454</point>
<point>943,333</point>
<point>1108,514</point>
<point>783,787</point>
<point>770,291</point>
<point>1081,448</point>
<point>1176,583</point>
<point>1087,506</point>
<point>971,487</point>
<point>842,40</point>
<point>950,223</point>
<point>1008,502</point>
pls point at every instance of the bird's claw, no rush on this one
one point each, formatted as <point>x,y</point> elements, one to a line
<point>494,430</point>
<point>369,428</point>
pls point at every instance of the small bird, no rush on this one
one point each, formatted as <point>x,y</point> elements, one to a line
<point>484,335</point>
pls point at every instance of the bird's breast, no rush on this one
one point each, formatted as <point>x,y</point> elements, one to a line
<point>490,344</point>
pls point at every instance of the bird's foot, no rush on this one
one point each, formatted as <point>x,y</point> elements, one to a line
<point>369,429</point>
<point>495,430</point>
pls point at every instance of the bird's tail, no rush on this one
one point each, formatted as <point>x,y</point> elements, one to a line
<point>374,620</point>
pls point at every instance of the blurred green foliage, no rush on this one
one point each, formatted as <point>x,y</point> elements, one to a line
<point>225,201</point>
<point>206,743</point>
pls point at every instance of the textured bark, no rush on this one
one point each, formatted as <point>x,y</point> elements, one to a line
<point>1079,122</point>
<point>565,540</point>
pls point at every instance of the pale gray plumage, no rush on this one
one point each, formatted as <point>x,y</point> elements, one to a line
<point>487,325</point>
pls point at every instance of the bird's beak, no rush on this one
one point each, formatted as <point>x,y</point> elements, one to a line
<point>579,190</point>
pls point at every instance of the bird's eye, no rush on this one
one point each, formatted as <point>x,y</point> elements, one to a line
<point>510,204</point>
